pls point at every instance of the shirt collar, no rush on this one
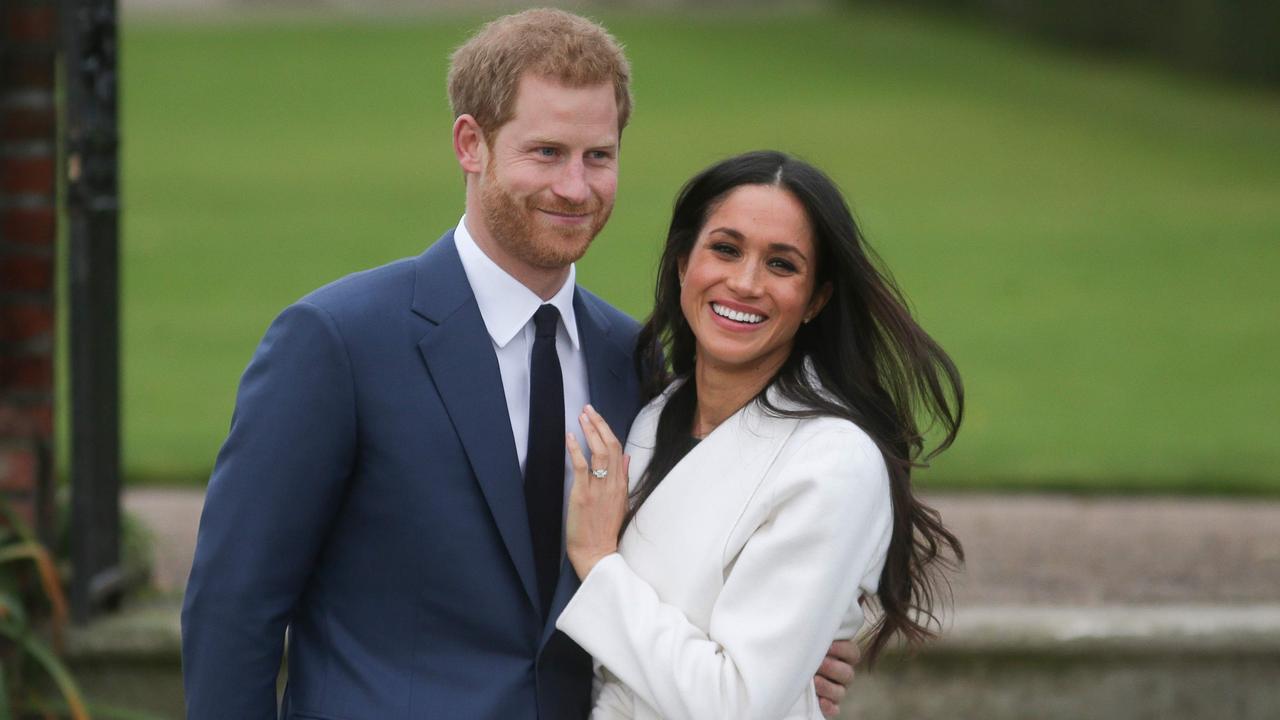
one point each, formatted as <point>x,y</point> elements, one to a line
<point>505,304</point>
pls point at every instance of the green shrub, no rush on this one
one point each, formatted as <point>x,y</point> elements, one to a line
<point>32,606</point>
<point>1240,38</point>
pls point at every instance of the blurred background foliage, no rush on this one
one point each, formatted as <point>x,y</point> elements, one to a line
<point>1095,238</point>
<point>1235,38</point>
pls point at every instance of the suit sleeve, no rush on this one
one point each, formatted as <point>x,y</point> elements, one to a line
<point>796,577</point>
<point>275,489</point>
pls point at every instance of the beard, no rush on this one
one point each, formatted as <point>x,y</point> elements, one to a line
<point>517,226</point>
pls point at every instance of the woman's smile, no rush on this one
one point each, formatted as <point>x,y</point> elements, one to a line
<point>737,315</point>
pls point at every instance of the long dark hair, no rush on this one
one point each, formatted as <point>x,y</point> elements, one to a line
<point>874,366</point>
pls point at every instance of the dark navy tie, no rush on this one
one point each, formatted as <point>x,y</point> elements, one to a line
<point>544,462</point>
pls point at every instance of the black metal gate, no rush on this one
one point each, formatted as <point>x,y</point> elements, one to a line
<point>92,201</point>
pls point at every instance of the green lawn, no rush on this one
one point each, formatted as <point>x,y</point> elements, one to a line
<point>1096,242</point>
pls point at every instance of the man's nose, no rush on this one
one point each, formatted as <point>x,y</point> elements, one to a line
<point>571,183</point>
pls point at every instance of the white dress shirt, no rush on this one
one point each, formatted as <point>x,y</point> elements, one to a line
<point>507,307</point>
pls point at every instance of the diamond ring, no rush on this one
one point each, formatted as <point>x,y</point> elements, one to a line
<point>600,474</point>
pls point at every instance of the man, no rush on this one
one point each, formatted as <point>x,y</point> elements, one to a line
<point>386,491</point>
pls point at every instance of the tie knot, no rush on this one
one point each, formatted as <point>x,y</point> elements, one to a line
<point>544,321</point>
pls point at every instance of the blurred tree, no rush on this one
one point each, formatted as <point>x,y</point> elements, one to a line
<point>1239,38</point>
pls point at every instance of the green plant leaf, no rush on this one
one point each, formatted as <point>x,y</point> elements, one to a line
<point>44,656</point>
<point>6,712</point>
<point>48,572</point>
<point>15,522</point>
<point>104,712</point>
<point>12,610</point>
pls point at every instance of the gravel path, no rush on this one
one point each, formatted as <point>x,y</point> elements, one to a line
<point>1022,549</point>
<point>1054,550</point>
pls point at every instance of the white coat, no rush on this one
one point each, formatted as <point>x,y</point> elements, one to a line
<point>737,572</point>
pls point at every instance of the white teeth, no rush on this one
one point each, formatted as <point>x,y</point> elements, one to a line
<point>742,317</point>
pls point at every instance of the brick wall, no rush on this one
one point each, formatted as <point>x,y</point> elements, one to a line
<point>28,231</point>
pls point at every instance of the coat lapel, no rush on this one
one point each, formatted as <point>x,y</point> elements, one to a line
<point>460,358</point>
<point>729,463</point>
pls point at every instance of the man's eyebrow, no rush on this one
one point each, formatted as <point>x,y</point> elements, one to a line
<point>548,142</point>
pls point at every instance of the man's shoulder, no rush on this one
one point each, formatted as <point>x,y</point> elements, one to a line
<point>392,283</point>
<point>617,320</point>
<point>363,286</point>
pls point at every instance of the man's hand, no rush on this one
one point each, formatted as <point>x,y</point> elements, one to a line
<point>835,674</point>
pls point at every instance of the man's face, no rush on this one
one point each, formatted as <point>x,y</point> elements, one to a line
<point>552,172</point>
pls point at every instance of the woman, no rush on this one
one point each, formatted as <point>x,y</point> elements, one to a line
<point>771,473</point>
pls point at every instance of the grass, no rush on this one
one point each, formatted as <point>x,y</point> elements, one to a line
<point>1095,241</point>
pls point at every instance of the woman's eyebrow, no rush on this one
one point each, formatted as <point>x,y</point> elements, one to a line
<point>781,247</point>
<point>730,232</point>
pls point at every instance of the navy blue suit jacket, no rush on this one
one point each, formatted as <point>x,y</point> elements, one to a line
<point>369,498</point>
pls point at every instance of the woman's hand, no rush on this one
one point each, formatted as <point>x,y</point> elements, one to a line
<point>598,500</point>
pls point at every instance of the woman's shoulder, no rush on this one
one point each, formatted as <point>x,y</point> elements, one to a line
<point>818,428</point>
<point>653,409</point>
<point>645,426</point>
<point>834,458</point>
<point>833,429</point>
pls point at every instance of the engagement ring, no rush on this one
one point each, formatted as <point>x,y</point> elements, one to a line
<point>600,474</point>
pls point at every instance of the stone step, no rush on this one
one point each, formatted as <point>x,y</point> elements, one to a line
<point>1165,662</point>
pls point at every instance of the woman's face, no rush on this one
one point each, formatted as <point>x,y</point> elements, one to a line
<point>749,280</point>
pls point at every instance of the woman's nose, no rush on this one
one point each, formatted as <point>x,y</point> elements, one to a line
<point>745,279</point>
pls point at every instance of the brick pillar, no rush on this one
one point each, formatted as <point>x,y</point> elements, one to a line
<point>28,231</point>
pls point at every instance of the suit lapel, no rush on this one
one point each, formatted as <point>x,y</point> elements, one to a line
<point>608,365</point>
<point>460,358</point>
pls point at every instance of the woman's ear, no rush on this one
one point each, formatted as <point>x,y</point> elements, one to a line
<point>469,145</point>
<point>819,300</point>
<point>682,264</point>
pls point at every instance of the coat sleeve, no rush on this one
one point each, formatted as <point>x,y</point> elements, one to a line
<point>275,489</point>
<point>610,701</point>
<point>826,528</point>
